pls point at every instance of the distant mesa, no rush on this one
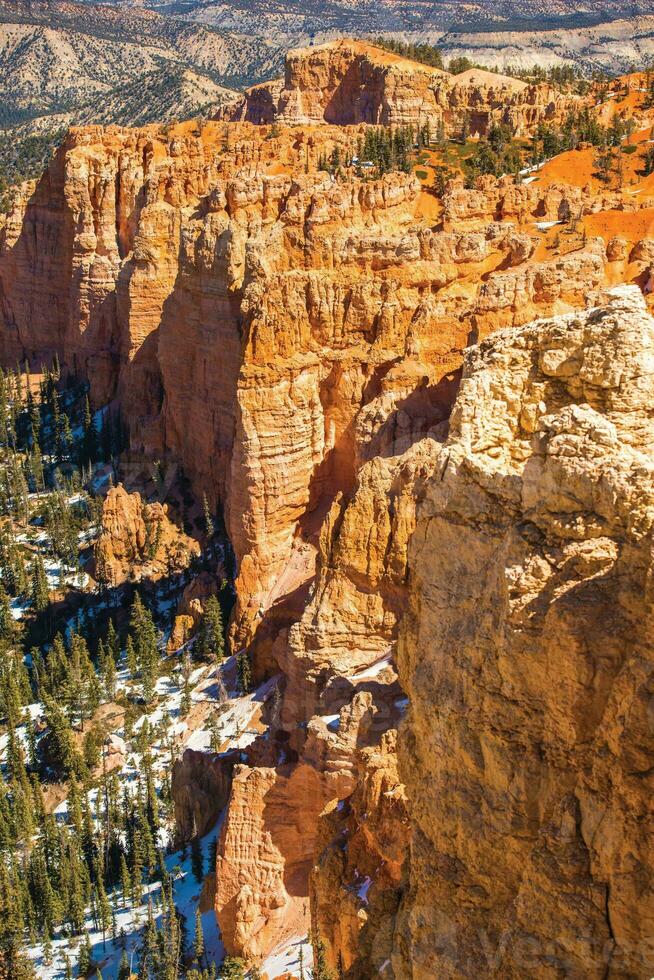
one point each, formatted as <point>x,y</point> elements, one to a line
<point>348,82</point>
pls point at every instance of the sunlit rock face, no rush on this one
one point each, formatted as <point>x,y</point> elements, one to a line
<point>293,343</point>
<point>349,82</point>
<point>527,659</point>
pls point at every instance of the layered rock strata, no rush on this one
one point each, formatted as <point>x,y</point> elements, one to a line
<point>348,82</point>
<point>294,342</point>
<point>338,697</point>
<point>238,312</point>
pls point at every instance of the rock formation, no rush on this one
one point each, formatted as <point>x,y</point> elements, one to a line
<point>190,608</point>
<point>339,697</point>
<point>201,785</point>
<point>348,82</point>
<point>293,341</point>
<point>358,880</point>
<point>528,661</point>
<point>138,540</point>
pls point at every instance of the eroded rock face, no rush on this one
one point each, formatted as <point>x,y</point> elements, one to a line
<point>138,540</point>
<point>190,608</point>
<point>357,881</point>
<point>340,696</point>
<point>200,785</point>
<point>266,327</point>
<point>294,343</point>
<point>349,82</point>
<point>527,658</point>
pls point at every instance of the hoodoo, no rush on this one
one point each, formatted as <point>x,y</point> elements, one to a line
<point>326,526</point>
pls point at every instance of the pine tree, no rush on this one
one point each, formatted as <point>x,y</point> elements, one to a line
<point>320,970</point>
<point>36,468</point>
<point>185,702</point>
<point>244,672</point>
<point>150,944</point>
<point>137,870</point>
<point>208,522</point>
<point>38,799</point>
<point>64,750</point>
<point>109,676</point>
<point>233,968</point>
<point>125,882</point>
<point>93,741</point>
<point>130,653</point>
<point>7,624</point>
<point>113,641</point>
<point>89,452</point>
<point>39,591</point>
<point>124,970</point>
<point>47,950</point>
<point>210,642</point>
<point>215,730</point>
<point>74,807</point>
<point>198,944</point>
<point>146,650</point>
<point>197,859</point>
<point>104,909</point>
<point>85,957</point>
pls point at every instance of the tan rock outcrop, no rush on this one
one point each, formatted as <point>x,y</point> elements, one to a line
<point>138,540</point>
<point>340,694</point>
<point>348,82</point>
<point>527,658</point>
<point>200,787</point>
<point>190,608</point>
<point>357,881</point>
<point>239,306</point>
<point>293,342</point>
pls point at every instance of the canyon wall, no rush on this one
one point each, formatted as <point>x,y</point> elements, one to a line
<point>527,658</point>
<point>294,343</point>
<point>237,311</point>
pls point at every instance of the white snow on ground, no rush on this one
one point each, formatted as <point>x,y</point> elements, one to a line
<point>33,537</point>
<point>237,715</point>
<point>373,670</point>
<point>544,225</point>
<point>199,740</point>
<point>362,888</point>
<point>58,573</point>
<point>35,711</point>
<point>18,608</point>
<point>285,958</point>
<point>107,952</point>
<point>532,169</point>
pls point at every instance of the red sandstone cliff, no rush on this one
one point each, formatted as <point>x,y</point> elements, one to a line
<point>295,343</point>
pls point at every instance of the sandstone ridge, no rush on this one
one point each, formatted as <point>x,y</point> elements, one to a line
<point>138,540</point>
<point>349,82</point>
